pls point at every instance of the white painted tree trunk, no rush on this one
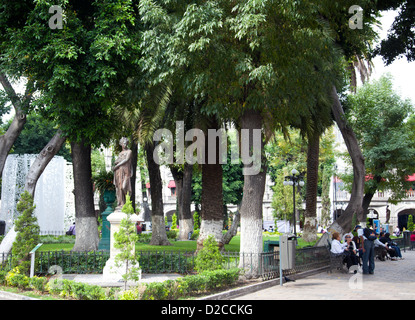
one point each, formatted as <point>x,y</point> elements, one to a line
<point>210,227</point>
<point>158,232</point>
<point>87,238</point>
<point>310,223</point>
<point>251,245</point>
<point>186,225</point>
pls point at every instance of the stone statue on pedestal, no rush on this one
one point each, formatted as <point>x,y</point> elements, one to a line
<point>123,171</point>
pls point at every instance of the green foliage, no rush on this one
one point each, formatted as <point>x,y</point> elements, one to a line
<point>167,290</point>
<point>38,283</point>
<point>190,285</point>
<point>172,234</point>
<point>378,116</point>
<point>76,290</point>
<point>196,221</point>
<point>282,198</point>
<point>104,181</point>
<point>76,69</point>
<point>209,257</point>
<point>27,230</point>
<point>174,221</point>
<point>72,261</point>
<point>411,225</point>
<point>15,278</point>
<point>166,261</point>
<point>125,240</point>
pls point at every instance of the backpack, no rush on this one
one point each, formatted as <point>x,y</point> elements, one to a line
<point>369,234</point>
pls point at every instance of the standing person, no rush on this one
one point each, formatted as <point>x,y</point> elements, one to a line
<point>139,229</point>
<point>367,237</point>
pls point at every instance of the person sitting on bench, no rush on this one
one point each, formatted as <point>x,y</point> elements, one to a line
<point>341,249</point>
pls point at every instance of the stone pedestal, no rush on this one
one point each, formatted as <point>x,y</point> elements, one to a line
<point>111,271</point>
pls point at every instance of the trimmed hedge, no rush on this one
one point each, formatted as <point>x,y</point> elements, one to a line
<point>190,285</point>
<point>167,290</point>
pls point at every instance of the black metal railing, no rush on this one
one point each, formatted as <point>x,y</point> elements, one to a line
<point>265,264</point>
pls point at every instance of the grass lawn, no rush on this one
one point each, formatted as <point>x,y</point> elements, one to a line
<point>176,245</point>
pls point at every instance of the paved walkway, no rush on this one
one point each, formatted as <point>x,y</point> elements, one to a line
<point>393,280</point>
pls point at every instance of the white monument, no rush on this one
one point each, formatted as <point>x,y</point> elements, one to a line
<point>53,195</point>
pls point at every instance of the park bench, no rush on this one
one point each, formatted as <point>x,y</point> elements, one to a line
<point>336,260</point>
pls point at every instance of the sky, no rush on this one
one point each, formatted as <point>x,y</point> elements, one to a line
<point>403,72</point>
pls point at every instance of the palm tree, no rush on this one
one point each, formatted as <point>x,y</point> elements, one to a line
<point>142,117</point>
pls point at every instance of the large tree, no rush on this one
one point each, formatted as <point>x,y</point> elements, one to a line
<point>78,70</point>
<point>378,116</point>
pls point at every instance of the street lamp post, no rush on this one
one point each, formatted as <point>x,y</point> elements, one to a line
<point>294,180</point>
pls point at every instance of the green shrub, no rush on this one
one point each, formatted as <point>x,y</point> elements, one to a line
<point>56,239</point>
<point>125,240</point>
<point>411,225</point>
<point>195,234</point>
<point>27,230</point>
<point>72,261</point>
<point>144,238</point>
<point>174,221</point>
<point>15,278</point>
<point>3,274</point>
<point>131,294</point>
<point>191,284</point>
<point>196,221</point>
<point>156,291</point>
<point>151,262</point>
<point>38,283</point>
<point>172,234</point>
<point>76,290</point>
<point>209,257</point>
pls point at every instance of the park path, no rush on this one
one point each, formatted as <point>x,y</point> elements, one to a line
<point>393,280</point>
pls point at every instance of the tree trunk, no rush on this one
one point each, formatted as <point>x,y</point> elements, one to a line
<point>134,157</point>
<point>233,228</point>
<point>310,214</point>
<point>183,182</point>
<point>20,105</point>
<point>87,238</point>
<point>251,205</point>
<point>212,196</point>
<point>158,234</point>
<point>344,223</point>
<point>42,160</point>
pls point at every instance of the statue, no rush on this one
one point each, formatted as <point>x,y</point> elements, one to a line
<point>388,214</point>
<point>123,172</point>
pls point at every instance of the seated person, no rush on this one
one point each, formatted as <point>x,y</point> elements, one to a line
<point>71,231</point>
<point>394,250</point>
<point>340,249</point>
<point>397,232</point>
<point>412,238</point>
<point>381,250</point>
<point>351,245</point>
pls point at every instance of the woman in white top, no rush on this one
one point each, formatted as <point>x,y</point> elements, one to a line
<point>338,248</point>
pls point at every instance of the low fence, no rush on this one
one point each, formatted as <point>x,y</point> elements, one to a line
<point>183,262</point>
